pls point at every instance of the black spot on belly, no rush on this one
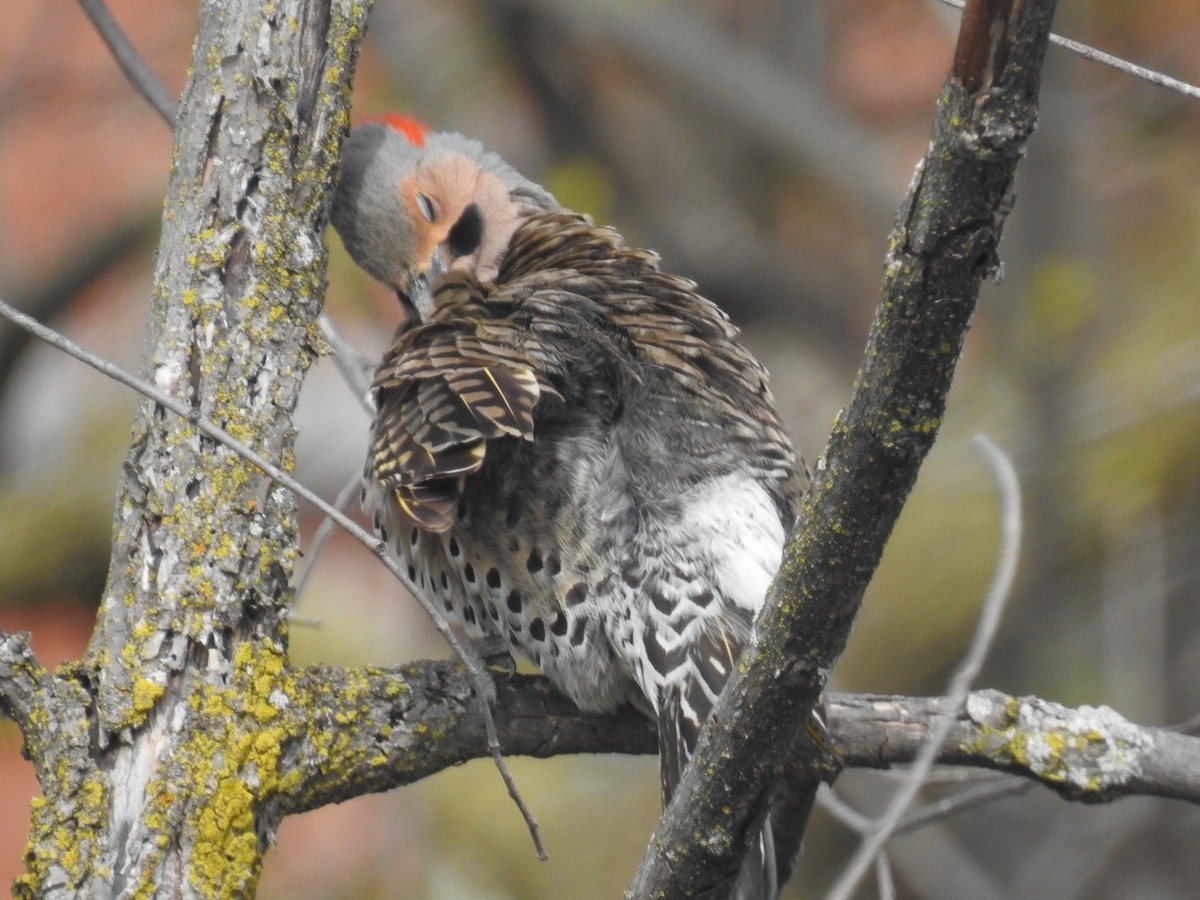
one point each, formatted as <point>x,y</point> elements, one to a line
<point>537,629</point>
<point>559,626</point>
<point>579,631</point>
<point>493,578</point>
<point>515,601</point>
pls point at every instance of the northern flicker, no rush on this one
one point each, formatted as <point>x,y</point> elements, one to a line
<point>571,450</point>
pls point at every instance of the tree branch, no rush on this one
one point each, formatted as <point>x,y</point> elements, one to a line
<point>1090,754</point>
<point>381,728</point>
<point>23,688</point>
<point>130,61</point>
<point>943,245</point>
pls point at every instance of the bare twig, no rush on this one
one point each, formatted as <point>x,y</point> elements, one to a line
<point>1121,65</point>
<point>960,685</point>
<point>994,788</point>
<point>21,680</point>
<point>356,369</point>
<point>988,786</point>
<point>884,880</point>
<point>324,530</point>
<point>1190,726</point>
<point>842,811</point>
<point>474,666</point>
<point>130,61</point>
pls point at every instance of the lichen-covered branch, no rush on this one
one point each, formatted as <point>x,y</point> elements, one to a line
<point>23,688</point>
<point>1087,753</point>
<point>371,730</point>
<point>375,729</point>
<point>347,732</point>
<point>944,243</point>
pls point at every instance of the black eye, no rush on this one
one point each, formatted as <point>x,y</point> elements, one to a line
<point>465,236</point>
<point>425,205</point>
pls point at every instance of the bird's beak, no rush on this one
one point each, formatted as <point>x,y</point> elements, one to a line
<point>421,293</point>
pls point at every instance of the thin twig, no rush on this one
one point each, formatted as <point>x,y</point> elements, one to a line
<point>831,803</point>
<point>324,530</point>
<point>884,880</point>
<point>99,254</point>
<point>1190,726</point>
<point>960,684</point>
<point>1121,65</point>
<point>355,367</point>
<point>130,61</point>
<point>1129,68</point>
<point>976,795</point>
<point>470,659</point>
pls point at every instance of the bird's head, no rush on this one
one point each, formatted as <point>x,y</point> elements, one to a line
<point>411,205</point>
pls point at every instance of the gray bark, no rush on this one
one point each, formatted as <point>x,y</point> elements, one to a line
<point>159,753</point>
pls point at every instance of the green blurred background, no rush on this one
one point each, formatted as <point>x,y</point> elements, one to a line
<point>762,147</point>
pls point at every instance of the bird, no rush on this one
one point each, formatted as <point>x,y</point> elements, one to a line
<point>572,450</point>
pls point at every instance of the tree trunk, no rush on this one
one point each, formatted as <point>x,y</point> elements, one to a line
<point>159,754</point>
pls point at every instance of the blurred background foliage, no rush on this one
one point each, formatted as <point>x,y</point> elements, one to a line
<point>762,147</point>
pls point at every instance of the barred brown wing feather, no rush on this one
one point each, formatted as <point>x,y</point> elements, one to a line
<point>415,464</point>
<point>501,397</point>
<point>438,408</point>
